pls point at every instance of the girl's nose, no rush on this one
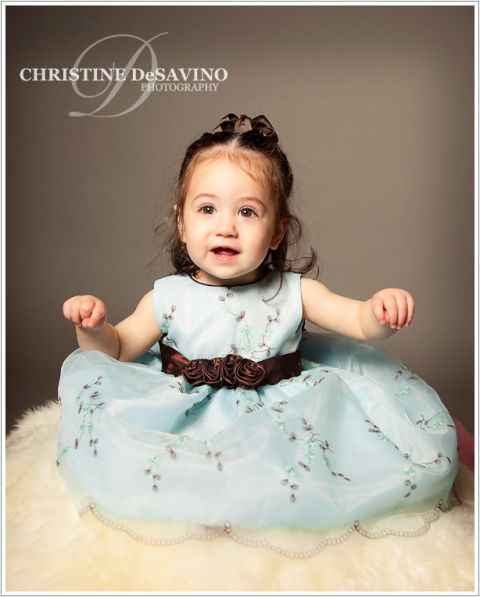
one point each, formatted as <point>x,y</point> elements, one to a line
<point>226,226</point>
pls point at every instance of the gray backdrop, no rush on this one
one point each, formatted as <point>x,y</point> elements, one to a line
<point>374,106</point>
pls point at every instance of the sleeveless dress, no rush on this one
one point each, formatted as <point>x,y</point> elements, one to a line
<point>357,435</point>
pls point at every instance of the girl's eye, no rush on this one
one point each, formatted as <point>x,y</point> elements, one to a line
<point>247,212</point>
<point>207,209</point>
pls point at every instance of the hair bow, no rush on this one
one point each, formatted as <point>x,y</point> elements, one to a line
<point>231,123</point>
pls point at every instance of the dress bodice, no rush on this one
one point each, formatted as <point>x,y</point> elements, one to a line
<point>257,320</point>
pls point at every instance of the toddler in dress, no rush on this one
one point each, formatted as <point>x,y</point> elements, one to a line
<point>210,404</point>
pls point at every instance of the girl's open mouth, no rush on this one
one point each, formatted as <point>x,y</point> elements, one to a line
<point>224,252</point>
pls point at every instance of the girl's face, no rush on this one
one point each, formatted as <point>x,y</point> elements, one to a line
<point>228,224</point>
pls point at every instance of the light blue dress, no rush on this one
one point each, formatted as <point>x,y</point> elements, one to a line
<point>356,435</point>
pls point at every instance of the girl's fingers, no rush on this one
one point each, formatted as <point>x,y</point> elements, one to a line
<point>392,309</point>
<point>86,307</point>
<point>394,306</point>
<point>406,308</point>
<point>411,308</point>
<point>377,308</point>
<point>71,311</point>
<point>66,310</point>
<point>402,311</point>
<point>98,315</point>
<point>75,315</point>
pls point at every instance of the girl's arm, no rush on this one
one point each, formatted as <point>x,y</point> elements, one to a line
<point>361,320</point>
<point>126,341</point>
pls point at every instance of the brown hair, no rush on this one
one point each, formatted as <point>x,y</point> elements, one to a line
<point>257,152</point>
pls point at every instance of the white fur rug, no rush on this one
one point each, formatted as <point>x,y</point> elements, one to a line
<point>50,548</point>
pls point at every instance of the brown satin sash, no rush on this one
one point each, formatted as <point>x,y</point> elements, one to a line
<point>232,370</point>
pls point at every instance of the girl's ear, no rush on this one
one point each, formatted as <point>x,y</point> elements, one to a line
<point>280,231</point>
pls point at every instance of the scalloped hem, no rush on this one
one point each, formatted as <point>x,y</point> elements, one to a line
<point>249,537</point>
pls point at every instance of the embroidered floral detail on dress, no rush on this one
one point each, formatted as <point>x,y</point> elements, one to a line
<point>404,376</point>
<point>165,325</point>
<point>411,471</point>
<point>153,466</point>
<point>252,399</point>
<point>438,420</point>
<point>290,484</point>
<point>217,456</point>
<point>179,386</point>
<point>307,380</point>
<point>312,445</point>
<point>312,383</point>
<point>312,441</point>
<point>262,345</point>
<point>278,407</point>
<point>155,476</point>
<point>261,348</point>
<point>87,408</point>
<point>240,317</point>
<point>381,436</point>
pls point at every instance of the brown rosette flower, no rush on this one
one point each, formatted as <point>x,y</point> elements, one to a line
<point>194,372</point>
<point>249,374</point>
<point>212,372</point>
<point>230,365</point>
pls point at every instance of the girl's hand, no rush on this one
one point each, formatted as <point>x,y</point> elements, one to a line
<point>394,307</point>
<point>86,311</point>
